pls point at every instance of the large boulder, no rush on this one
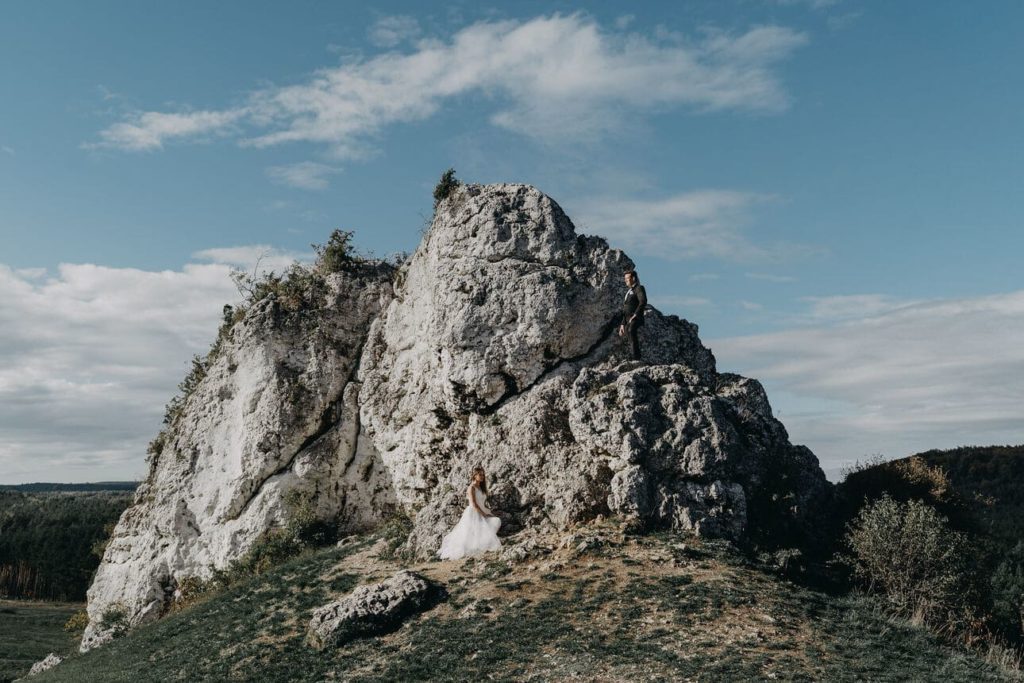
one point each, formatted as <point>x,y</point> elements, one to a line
<point>372,609</point>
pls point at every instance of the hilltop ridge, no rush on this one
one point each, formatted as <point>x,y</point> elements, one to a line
<point>359,391</point>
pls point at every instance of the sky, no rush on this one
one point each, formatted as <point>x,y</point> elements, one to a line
<point>830,189</point>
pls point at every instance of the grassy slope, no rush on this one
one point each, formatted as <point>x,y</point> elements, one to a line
<point>31,630</point>
<point>995,472</point>
<point>649,608</point>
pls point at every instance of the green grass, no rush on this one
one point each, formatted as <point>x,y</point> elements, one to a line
<point>31,630</point>
<point>707,614</point>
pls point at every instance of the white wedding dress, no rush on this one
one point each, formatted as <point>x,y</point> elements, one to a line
<point>474,534</point>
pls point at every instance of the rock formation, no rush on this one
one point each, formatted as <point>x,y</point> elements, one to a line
<point>494,344</point>
<point>51,660</point>
<point>275,413</point>
<point>372,609</point>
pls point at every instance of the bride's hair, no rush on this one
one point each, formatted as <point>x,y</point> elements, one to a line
<point>483,484</point>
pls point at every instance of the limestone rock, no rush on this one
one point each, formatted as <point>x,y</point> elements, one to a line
<point>372,609</point>
<point>275,413</point>
<point>51,660</point>
<point>494,344</point>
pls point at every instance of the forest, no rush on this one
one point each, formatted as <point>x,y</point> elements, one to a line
<point>51,542</point>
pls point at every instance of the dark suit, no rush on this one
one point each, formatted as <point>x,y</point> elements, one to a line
<point>634,304</point>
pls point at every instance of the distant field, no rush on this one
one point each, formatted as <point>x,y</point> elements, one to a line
<point>31,630</point>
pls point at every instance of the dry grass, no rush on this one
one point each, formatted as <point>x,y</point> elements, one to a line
<point>620,608</point>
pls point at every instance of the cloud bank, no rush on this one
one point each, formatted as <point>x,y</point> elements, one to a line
<point>873,374</point>
<point>90,355</point>
<point>687,225</point>
<point>551,78</point>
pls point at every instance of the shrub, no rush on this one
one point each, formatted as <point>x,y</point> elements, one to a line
<point>445,186</point>
<point>115,620</point>
<point>195,376</point>
<point>303,525</point>
<point>337,254</point>
<point>907,552</point>
<point>1007,584</point>
<point>77,622</point>
<point>908,479</point>
<point>99,546</point>
<point>395,531</point>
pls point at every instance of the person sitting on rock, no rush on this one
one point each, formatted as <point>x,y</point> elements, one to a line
<point>477,530</point>
<point>633,312</point>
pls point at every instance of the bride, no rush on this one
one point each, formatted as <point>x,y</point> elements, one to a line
<point>477,530</point>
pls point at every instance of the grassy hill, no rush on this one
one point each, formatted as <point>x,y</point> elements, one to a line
<point>995,473</point>
<point>29,630</point>
<point>655,607</point>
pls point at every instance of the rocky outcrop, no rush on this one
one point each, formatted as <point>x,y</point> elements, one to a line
<point>275,414</point>
<point>500,349</point>
<point>494,344</point>
<point>371,610</point>
<point>51,660</point>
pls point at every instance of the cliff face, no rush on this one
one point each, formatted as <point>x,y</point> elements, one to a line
<point>275,413</point>
<point>495,344</point>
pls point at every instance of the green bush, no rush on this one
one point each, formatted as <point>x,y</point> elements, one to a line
<point>907,552</point>
<point>303,525</point>
<point>395,531</point>
<point>445,186</point>
<point>302,531</point>
<point>77,622</point>
<point>338,254</point>
<point>1007,585</point>
<point>115,620</point>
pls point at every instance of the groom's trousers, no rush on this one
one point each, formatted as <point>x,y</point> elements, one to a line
<point>633,331</point>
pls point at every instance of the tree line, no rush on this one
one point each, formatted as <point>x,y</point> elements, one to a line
<point>51,543</point>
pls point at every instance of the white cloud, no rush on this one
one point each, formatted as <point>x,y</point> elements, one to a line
<point>31,273</point>
<point>262,258</point>
<point>90,356</point>
<point>145,131</point>
<point>893,377</point>
<point>770,277</point>
<point>623,22</point>
<point>555,78</point>
<point>703,223</point>
<point>305,175</point>
<point>833,308</point>
<point>751,306</point>
<point>392,31</point>
<point>7,150</point>
<point>702,277</point>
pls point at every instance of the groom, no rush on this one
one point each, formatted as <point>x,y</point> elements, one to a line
<point>633,312</point>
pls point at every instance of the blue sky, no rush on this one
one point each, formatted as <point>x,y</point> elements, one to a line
<point>831,189</point>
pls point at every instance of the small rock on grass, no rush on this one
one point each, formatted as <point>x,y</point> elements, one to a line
<point>373,609</point>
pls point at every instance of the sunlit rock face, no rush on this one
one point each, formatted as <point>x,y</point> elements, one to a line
<point>494,344</point>
<point>275,413</point>
<point>500,348</point>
